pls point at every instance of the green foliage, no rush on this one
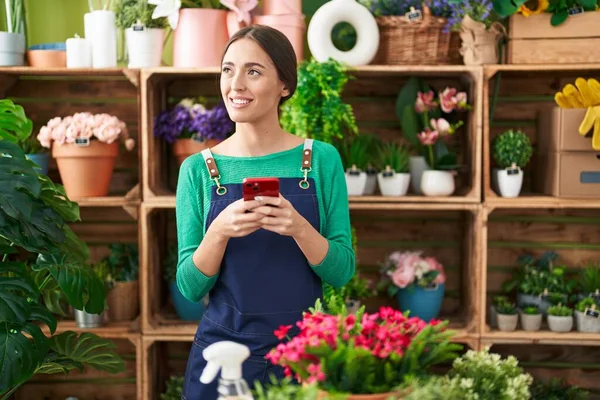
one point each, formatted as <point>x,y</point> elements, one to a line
<point>589,278</point>
<point>357,288</point>
<point>531,309</point>
<point>123,262</point>
<point>497,300</point>
<point>215,4</point>
<point>586,302</point>
<point>170,263</point>
<point>31,145</point>
<point>395,156</point>
<point>357,151</point>
<point>34,213</point>
<point>438,388</point>
<point>131,12</point>
<point>560,311</point>
<point>506,309</point>
<point>512,147</point>
<point>316,110</point>
<point>285,389</point>
<point>556,389</point>
<point>15,16</point>
<point>506,8</point>
<point>174,388</point>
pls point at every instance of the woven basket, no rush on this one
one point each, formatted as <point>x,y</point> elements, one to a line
<point>402,42</point>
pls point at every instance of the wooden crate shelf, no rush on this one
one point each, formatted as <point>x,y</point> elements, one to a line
<point>543,336</point>
<point>164,356</point>
<point>129,330</point>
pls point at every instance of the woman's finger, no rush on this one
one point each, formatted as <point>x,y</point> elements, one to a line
<point>273,211</point>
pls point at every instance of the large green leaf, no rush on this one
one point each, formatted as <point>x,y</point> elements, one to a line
<point>506,8</point>
<point>88,349</point>
<point>53,297</point>
<point>55,197</point>
<point>16,287</point>
<point>14,124</point>
<point>82,287</point>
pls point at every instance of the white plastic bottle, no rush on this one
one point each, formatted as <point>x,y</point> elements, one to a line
<point>227,356</point>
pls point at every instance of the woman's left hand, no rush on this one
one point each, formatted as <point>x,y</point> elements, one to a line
<point>281,216</point>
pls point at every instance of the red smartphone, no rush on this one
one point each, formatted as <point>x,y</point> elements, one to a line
<point>253,187</point>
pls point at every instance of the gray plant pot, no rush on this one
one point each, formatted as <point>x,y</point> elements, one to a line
<point>86,320</point>
<point>560,324</point>
<point>12,49</point>
<point>524,299</point>
<point>508,322</point>
<point>493,317</point>
<point>586,324</point>
<point>531,322</point>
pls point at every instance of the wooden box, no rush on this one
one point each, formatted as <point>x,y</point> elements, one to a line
<point>558,130</point>
<point>533,40</point>
<point>164,357</point>
<point>569,174</point>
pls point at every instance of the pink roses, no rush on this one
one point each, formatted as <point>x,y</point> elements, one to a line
<point>406,268</point>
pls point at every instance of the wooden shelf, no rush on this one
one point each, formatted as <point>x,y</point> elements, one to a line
<point>109,201</point>
<point>541,337</point>
<point>491,69</point>
<point>540,201</point>
<point>116,330</point>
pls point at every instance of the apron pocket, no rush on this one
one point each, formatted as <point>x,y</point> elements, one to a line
<point>254,369</point>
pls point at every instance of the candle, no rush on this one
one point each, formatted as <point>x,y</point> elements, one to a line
<point>87,23</point>
<point>104,39</point>
<point>79,53</point>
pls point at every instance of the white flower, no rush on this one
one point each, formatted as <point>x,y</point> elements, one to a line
<point>167,8</point>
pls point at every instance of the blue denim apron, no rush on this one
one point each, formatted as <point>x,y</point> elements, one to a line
<point>265,281</point>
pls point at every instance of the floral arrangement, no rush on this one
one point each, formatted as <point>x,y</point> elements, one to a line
<point>170,8</point>
<point>405,269</point>
<point>381,8</point>
<point>81,126</point>
<point>190,119</point>
<point>362,353</point>
<point>560,9</point>
<point>478,10</point>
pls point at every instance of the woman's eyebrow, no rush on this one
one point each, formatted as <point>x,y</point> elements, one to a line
<point>247,65</point>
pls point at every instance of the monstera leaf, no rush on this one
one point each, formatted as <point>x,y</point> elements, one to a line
<point>506,8</point>
<point>14,124</point>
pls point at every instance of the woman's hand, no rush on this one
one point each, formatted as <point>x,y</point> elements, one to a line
<point>280,216</point>
<point>238,219</point>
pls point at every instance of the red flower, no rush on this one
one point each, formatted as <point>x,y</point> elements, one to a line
<point>281,333</point>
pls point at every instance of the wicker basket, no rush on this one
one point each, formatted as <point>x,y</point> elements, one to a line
<point>402,42</point>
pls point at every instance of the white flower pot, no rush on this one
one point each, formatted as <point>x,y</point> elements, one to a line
<point>524,299</point>
<point>560,324</point>
<point>417,165</point>
<point>371,184</point>
<point>493,317</point>
<point>12,49</point>
<point>356,183</point>
<point>352,305</point>
<point>508,185</point>
<point>531,322</point>
<point>437,183</point>
<point>144,47</point>
<point>507,322</point>
<point>394,185</point>
<point>585,323</point>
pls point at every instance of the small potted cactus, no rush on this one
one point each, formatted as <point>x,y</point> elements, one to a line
<point>560,318</point>
<point>512,151</point>
<point>587,316</point>
<point>507,317</point>
<point>531,317</point>
<point>393,177</point>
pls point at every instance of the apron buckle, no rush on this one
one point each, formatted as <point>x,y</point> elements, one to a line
<point>304,182</point>
<point>221,190</point>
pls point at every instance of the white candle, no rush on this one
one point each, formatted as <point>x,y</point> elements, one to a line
<point>79,53</point>
<point>104,39</point>
<point>87,26</point>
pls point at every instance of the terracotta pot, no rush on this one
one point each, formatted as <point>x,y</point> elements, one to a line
<point>278,7</point>
<point>379,396</point>
<point>123,302</point>
<point>183,148</point>
<point>191,44</point>
<point>47,58</point>
<point>86,171</point>
<point>293,26</point>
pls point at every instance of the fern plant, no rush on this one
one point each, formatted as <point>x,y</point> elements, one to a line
<point>394,156</point>
<point>174,388</point>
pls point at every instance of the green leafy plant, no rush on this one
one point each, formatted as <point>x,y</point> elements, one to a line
<point>500,299</point>
<point>394,156</point>
<point>31,146</point>
<point>317,110</point>
<point>560,311</point>
<point>285,389</point>
<point>587,302</point>
<point>33,219</point>
<point>589,278</point>
<point>556,389</point>
<point>506,309</point>
<point>174,388</point>
<point>512,149</point>
<point>357,289</point>
<point>123,263</point>
<point>131,12</point>
<point>356,152</point>
<point>531,309</point>
<point>15,16</point>
<point>558,8</point>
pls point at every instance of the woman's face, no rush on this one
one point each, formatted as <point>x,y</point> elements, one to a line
<point>250,86</point>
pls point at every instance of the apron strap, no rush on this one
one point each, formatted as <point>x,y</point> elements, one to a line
<point>306,166</point>
<point>213,171</point>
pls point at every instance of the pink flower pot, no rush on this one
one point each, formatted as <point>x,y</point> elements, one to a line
<point>200,38</point>
<point>293,26</point>
<point>278,7</point>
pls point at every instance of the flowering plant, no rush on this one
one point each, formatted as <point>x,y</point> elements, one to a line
<point>84,126</point>
<point>379,8</point>
<point>190,119</point>
<point>170,8</point>
<point>405,269</point>
<point>362,353</point>
<point>560,9</point>
<point>478,10</point>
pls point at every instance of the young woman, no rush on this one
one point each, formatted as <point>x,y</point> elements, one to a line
<point>263,261</point>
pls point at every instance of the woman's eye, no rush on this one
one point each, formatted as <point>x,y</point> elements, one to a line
<point>253,72</point>
<point>226,69</point>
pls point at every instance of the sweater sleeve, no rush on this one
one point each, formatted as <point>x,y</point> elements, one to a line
<point>192,283</point>
<point>338,266</point>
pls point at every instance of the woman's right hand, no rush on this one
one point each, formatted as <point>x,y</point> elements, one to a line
<point>237,219</point>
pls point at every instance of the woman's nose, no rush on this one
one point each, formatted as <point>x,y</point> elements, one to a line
<point>237,83</point>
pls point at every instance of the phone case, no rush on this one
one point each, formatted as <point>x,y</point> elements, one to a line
<point>253,187</point>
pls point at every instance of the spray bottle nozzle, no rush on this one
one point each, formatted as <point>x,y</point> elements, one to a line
<point>227,356</point>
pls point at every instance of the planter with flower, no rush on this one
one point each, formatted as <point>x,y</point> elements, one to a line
<point>191,128</point>
<point>393,178</point>
<point>587,315</point>
<point>560,318</point>
<point>531,317</point>
<point>144,35</point>
<point>508,317</point>
<point>512,151</point>
<point>363,354</point>
<point>123,297</point>
<point>417,282</point>
<point>85,147</point>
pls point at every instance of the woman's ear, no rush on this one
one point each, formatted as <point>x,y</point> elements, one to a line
<point>285,92</point>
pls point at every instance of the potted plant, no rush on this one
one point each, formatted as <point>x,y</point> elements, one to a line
<point>186,310</point>
<point>512,152</point>
<point>143,34</point>
<point>589,281</point>
<point>123,298</point>
<point>85,319</point>
<point>508,317</point>
<point>587,317</point>
<point>496,301</point>
<point>355,291</point>
<point>556,389</point>
<point>85,147</point>
<point>355,158</point>
<point>345,354</point>
<point>191,128</point>
<point>531,317</point>
<point>12,42</point>
<point>393,178</point>
<point>174,388</point>
<point>417,282</point>
<point>317,109</point>
<point>560,318</point>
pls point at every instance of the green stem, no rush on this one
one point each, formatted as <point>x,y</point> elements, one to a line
<point>426,119</point>
<point>12,391</point>
<point>431,158</point>
<point>45,282</point>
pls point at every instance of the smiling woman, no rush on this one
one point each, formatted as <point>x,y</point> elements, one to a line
<point>262,261</point>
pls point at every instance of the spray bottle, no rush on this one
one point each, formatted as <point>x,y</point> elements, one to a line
<point>227,356</point>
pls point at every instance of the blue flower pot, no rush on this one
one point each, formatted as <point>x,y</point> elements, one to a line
<point>40,159</point>
<point>186,310</point>
<point>422,303</point>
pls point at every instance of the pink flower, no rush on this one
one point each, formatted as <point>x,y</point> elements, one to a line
<point>425,102</point>
<point>403,276</point>
<point>434,265</point>
<point>428,137</point>
<point>448,100</point>
<point>440,125</point>
<point>282,332</point>
<point>316,373</point>
<point>242,8</point>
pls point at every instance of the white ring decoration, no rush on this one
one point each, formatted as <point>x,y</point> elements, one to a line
<point>333,12</point>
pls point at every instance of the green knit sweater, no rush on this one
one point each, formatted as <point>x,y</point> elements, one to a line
<point>193,203</point>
